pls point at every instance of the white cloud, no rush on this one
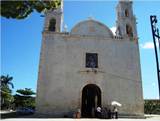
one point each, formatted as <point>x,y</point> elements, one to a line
<point>113,29</point>
<point>148,45</point>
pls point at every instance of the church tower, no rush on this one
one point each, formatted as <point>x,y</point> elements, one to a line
<point>126,21</point>
<point>54,19</point>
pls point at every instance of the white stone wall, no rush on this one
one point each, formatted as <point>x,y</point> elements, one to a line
<point>62,73</point>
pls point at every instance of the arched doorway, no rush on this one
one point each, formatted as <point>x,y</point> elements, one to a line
<point>91,99</point>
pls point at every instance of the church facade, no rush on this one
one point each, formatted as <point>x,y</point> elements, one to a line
<point>89,66</point>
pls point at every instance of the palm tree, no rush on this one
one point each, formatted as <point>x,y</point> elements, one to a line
<point>6,81</point>
<point>6,96</point>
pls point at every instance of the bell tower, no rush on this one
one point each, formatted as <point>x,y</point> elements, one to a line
<point>54,19</point>
<point>126,21</point>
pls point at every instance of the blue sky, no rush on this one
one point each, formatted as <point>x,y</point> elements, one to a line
<point>21,40</point>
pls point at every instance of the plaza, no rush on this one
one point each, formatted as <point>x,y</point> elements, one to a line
<point>149,118</point>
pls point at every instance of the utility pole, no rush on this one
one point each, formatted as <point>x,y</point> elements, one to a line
<point>156,39</point>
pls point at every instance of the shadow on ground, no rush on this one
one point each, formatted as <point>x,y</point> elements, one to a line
<point>10,115</point>
<point>15,115</point>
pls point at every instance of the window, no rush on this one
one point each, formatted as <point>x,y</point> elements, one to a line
<point>52,24</point>
<point>126,13</point>
<point>91,60</point>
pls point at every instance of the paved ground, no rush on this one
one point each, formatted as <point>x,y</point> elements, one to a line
<point>55,119</point>
<point>12,117</point>
<point>149,118</point>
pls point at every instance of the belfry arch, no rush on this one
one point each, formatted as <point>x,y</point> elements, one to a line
<point>52,24</point>
<point>129,30</point>
<point>126,13</point>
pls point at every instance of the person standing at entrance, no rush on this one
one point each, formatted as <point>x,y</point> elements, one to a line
<point>115,111</point>
<point>98,112</point>
<point>78,113</point>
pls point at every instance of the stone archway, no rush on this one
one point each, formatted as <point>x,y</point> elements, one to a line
<point>91,99</point>
<point>129,31</point>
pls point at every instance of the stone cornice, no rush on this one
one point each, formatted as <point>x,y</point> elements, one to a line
<point>68,35</point>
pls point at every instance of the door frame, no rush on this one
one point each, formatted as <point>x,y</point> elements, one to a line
<point>97,91</point>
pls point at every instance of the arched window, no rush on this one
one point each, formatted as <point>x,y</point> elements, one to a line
<point>126,13</point>
<point>129,31</point>
<point>52,24</point>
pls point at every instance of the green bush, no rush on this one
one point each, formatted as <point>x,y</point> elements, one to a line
<point>152,106</point>
<point>24,98</point>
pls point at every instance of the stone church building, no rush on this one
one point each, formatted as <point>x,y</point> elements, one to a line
<point>89,66</point>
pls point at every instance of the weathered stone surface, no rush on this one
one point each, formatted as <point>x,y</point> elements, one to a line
<point>63,75</point>
<point>93,28</point>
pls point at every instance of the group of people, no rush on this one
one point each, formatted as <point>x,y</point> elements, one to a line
<point>106,113</point>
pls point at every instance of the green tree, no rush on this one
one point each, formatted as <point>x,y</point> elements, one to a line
<point>24,98</point>
<point>6,81</point>
<point>6,92</point>
<point>20,9</point>
<point>152,106</point>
